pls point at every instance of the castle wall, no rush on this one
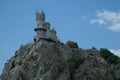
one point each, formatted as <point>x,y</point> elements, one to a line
<point>41,34</point>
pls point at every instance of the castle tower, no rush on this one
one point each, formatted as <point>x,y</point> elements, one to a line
<point>40,29</point>
<point>43,28</point>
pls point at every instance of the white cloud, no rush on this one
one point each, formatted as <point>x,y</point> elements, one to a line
<point>115,27</point>
<point>109,18</point>
<point>99,21</point>
<point>108,15</point>
<point>116,52</point>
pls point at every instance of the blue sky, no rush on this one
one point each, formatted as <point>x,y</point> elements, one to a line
<point>88,22</point>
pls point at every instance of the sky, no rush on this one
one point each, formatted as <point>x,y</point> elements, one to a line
<point>87,22</point>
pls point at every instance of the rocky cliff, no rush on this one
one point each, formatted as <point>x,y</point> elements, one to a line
<point>46,60</point>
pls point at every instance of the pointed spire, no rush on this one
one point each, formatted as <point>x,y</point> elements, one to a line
<point>36,10</point>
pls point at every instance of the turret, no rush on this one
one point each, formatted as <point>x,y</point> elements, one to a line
<point>47,25</point>
<point>40,20</point>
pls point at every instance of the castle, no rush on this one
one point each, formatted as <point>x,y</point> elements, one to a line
<point>43,29</point>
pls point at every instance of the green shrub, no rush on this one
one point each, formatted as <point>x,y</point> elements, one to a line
<point>105,53</point>
<point>113,59</point>
<point>109,56</point>
<point>90,53</point>
<point>79,61</point>
<point>71,44</point>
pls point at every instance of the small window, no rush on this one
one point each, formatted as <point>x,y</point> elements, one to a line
<point>38,24</point>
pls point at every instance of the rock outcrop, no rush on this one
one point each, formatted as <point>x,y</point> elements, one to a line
<point>46,60</point>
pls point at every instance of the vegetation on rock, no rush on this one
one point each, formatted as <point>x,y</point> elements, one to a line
<point>71,44</point>
<point>109,56</point>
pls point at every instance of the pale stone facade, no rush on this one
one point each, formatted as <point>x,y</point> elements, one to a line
<point>43,29</point>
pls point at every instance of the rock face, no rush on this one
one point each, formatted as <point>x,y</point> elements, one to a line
<point>46,60</point>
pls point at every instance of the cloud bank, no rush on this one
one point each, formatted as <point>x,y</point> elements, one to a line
<point>109,18</point>
<point>116,52</point>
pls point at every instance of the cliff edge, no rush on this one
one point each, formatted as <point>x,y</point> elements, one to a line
<point>46,60</point>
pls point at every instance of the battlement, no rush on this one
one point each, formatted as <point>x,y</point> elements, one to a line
<point>40,16</point>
